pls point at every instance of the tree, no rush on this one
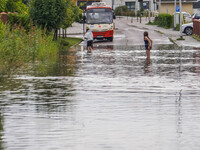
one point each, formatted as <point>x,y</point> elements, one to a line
<point>2,5</point>
<point>25,1</point>
<point>16,6</point>
<point>48,14</point>
<point>119,10</point>
<point>73,13</point>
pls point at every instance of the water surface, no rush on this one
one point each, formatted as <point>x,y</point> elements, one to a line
<point>107,99</point>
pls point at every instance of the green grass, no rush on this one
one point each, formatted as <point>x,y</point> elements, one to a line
<point>196,37</point>
<point>181,38</point>
<point>72,41</point>
<point>17,48</point>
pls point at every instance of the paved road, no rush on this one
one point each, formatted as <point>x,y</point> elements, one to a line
<point>129,35</point>
<point>125,34</point>
<point>130,32</point>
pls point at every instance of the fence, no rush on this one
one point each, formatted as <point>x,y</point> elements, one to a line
<point>196,27</point>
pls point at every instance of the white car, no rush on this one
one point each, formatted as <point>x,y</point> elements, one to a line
<point>187,28</point>
<point>186,15</point>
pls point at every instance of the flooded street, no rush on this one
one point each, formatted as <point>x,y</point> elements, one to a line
<point>107,99</point>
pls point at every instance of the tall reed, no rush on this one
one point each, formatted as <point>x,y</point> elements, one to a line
<point>17,47</point>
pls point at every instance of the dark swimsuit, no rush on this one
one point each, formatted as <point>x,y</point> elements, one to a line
<point>146,44</point>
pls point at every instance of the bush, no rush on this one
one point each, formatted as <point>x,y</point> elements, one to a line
<point>165,20</point>
<point>121,9</point>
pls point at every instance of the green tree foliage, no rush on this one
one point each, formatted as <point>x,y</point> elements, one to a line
<point>25,1</point>
<point>2,5</point>
<point>16,6</point>
<point>21,20</point>
<point>48,14</point>
<point>121,9</point>
<point>73,13</point>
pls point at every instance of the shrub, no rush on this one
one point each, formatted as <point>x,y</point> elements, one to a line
<point>165,20</point>
<point>119,10</point>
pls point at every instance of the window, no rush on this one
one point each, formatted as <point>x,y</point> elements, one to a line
<point>131,6</point>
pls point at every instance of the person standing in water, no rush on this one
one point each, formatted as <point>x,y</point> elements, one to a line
<point>148,45</point>
<point>89,37</point>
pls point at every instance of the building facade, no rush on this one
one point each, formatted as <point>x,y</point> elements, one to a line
<point>168,6</point>
<point>133,5</point>
<point>160,6</point>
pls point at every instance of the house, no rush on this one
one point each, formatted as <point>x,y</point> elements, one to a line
<point>133,5</point>
<point>196,7</point>
<point>162,6</point>
<point>168,6</point>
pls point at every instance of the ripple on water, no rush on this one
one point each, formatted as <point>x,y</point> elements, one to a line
<point>113,100</point>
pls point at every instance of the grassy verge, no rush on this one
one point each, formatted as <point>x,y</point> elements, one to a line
<point>18,48</point>
<point>196,37</point>
<point>68,42</point>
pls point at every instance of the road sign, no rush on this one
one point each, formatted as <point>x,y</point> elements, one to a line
<point>177,8</point>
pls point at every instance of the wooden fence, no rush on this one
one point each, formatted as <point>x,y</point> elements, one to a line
<point>196,27</point>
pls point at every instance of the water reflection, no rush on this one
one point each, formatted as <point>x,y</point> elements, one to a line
<point>108,99</point>
<point>1,132</point>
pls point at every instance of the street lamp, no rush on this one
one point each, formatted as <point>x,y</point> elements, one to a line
<point>141,6</point>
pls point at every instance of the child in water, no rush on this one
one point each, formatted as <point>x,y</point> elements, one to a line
<point>148,45</point>
<point>89,37</point>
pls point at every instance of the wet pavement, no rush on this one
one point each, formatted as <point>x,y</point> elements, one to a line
<point>134,23</point>
<point>105,100</point>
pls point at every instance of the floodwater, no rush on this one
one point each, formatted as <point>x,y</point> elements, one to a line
<point>105,100</point>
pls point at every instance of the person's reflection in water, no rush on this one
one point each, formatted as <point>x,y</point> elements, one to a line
<point>1,132</point>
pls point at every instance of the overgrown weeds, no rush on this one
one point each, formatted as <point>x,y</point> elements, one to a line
<point>18,47</point>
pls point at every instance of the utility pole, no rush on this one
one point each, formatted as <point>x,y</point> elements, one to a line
<point>175,15</point>
<point>112,4</point>
<point>141,8</point>
<point>159,6</point>
<point>180,3</point>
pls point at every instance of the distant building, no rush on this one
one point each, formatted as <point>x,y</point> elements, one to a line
<point>167,6</point>
<point>133,5</point>
<point>196,7</point>
<point>162,6</point>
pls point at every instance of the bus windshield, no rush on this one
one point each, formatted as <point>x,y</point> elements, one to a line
<point>99,16</point>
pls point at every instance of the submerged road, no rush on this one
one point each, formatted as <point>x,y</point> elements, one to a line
<point>129,35</point>
<point>125,34</point>
<point>105,100</point>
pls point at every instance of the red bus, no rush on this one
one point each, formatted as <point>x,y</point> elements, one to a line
<point>99,19</point>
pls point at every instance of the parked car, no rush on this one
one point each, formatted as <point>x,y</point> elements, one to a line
<point>187,28</point>
<point>196,15</point>
<point>186,15</point>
